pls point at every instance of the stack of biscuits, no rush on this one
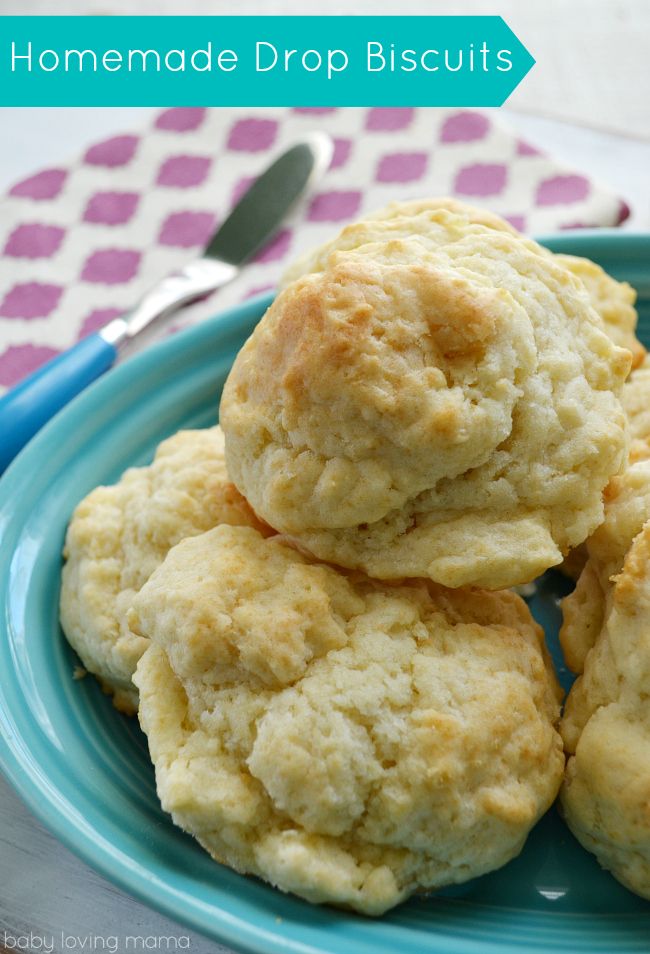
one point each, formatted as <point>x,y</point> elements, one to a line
<point>311,606</point>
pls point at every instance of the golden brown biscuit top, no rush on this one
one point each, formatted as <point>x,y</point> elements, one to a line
<point>348,740</point>
<point>382,386</point>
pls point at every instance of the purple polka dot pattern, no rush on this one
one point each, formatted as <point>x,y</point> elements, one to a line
<point>187,229</point>
<point>111,266</point>
<point>252,135</point>
<point>562,190</point>
<point>114,152</point>
<point>44,185</point>
<point>97,319</point>
<point>19,360</point>
<point>111,208</point>
<point>334,206</point>
<point>276,249</point>
<point>30,300</point>
<point>465,126</point>
<point>624,212</point>
<point>481,179</point>
<point>525,149</point>
<point>402,167</point>
<point>241,186</point>
<point>34,241</point>
<point>183,172</point>
<point>517,221</point>
<point>258,290</point>
<point>389,119</point>
<point>341,153</point>
<point>82,241</point>
<point>181,119</point>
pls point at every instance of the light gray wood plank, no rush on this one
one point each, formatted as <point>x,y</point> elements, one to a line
<point>49,896</point>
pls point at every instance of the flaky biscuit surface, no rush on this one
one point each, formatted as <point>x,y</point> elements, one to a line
<point>626,510</point>
<point>119,534</point>
<point>606,729</point>
<point>443,405</point>
<point>636,403</point>
<point>347,740</point>
<point>613,300</point>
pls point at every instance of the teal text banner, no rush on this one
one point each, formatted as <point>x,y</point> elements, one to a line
<point>259,61</point>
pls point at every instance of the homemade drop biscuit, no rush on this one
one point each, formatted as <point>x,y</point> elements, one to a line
<point>443,406</point>
<point>627,508</point>
<point>613,300</point>
<point>118,536</point>
<point>606,730</point>
<point>636,403</point>
<point>349,741</point>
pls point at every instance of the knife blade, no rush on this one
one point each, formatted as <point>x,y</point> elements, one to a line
<point>268,200</point>
<point>252,222</point>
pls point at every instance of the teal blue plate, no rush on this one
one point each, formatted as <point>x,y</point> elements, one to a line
<point>83,768</point>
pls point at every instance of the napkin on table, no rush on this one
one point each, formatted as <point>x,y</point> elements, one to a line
<point>81,242</point>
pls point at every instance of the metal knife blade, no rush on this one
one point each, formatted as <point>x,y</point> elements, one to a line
<point>263,207</point>
<point>251,223</point>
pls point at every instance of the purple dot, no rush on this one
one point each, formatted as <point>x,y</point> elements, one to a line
<point>483,178</point>
<point>334,206</point>
<point>97,319</point>
<point>44,185</point>
<point>30,300</point>
<point>242,186</point>
<point>258,290</point>
<point>525,149</point>
<point>389,119</point>
<point>34,241</point>
<point>465,126</point>
<point>181,118</point>
<point>564,226</point>
<point>562,190</point>
<point>314,110</point>
<point>402,167</point>
<point>252,135</point>
<point>187,229</point>
<point>183,172</point>
<point>20,360</point>
<point>623,212</point>
<point>275,249</point>
<point>517,222</point>
<point>111,208</point>
<point>111,266</point>
<point>341,153</point>
<point>113,152</point>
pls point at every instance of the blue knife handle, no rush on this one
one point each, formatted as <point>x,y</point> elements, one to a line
<point>31,404</point>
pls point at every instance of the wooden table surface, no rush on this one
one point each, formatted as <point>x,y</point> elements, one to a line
<point>587,101</point>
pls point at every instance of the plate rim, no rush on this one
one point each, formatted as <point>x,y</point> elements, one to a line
<point>240,935</point>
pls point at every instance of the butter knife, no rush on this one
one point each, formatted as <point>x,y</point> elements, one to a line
<point>255,218</point>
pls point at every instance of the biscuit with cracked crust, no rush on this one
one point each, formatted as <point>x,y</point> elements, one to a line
<point>349,741</point>
<point>613,300</point>
<point>444,407</point>
<point>606,730</point>
<point>117,537</point>
<point>627,508</point>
